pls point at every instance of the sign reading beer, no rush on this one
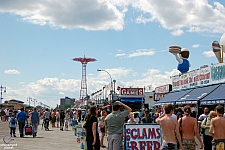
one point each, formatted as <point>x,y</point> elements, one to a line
<point>131,92</point>
<point>142,136</point>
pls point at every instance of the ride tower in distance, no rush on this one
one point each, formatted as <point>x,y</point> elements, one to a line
<point>83,89</point>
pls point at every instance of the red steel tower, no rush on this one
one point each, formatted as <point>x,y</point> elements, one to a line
<point>83,89</point>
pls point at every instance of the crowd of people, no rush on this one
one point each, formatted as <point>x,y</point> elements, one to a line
<point>179,126</point>
<point>21,117</point>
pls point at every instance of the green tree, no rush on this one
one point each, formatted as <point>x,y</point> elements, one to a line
<point>66,106</point>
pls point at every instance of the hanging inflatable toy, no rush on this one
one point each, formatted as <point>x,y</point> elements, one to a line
<point>182,58</point>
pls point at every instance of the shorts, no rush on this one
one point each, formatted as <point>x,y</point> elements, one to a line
<point>62,122</point>
<point>189,144</point>
<point>169,146</point>
<point>102,130</point>
<point>218,143</point>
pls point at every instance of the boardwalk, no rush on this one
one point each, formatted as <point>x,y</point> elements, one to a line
<point>54,139</point>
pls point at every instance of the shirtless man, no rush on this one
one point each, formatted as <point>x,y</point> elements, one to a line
<point>57,118</point>
<point>217,127</point>
<point>189,130</point>
<point>170,129</point>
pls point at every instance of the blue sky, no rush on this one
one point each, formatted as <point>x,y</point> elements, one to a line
<point>129,39</point>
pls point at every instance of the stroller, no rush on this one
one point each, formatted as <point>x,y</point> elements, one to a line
<point>28,129</point>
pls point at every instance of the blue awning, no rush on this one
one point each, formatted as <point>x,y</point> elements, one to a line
<point>216,97</point>
<point>172,97</point>
<point>132,100</point>
<point>197,94</point>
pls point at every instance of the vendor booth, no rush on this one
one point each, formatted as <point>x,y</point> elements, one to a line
<point>196,94</point>
<point>216,97</point>
<point>172,97</point>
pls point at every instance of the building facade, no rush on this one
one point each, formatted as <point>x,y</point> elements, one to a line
<point>67,100</point>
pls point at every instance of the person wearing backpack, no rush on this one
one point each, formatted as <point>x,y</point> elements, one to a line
<point>12,125</point>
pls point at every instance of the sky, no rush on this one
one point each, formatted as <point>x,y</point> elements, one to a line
<point>130,39</point>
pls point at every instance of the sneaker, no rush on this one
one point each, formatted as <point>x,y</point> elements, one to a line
<point>14,135</point>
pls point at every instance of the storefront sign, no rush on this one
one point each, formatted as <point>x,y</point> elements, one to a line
<point>163,89</point>
<point>131,92</point>
<point>142,136</point>
<point>186,102</point>
<point>218,73</point>
<point>158,96</point>
<point>199,77</point>
<point>213,102</point>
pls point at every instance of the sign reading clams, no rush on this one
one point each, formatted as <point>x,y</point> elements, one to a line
<point>142,136</point>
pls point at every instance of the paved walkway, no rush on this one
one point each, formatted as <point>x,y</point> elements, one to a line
<point>54,139</point>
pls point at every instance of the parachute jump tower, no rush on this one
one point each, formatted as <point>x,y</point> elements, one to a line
<point>83,89</point>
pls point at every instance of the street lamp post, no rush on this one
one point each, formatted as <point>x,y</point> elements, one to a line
<point>4,90</point>
<point>114,81</point>
<point>29,99</point>
<point>34,100</point>
<point>110,82</point>
<point>103,93</point>
<point>109,76</point>
<point>40,103</point>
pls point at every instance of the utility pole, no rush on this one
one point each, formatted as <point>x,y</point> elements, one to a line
<point>29,99</point>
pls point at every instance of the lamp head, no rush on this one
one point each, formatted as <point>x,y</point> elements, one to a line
<point>99,70</point>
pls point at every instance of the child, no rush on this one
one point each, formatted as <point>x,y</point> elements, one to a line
<point>12,125</point>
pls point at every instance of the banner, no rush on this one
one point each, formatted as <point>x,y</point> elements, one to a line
<point>204,76</point>
<point>218,73</point>
<point>142,136</point>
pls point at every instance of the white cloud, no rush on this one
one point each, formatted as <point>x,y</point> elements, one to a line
<point>177,32</point>
<point>135,74</point>
<point>50,90</point>
<point>141,52</point>
<point>120,55</point>
<point>193,16</point>
<point>97,15</point>
<point>196,29</point>
<point>208,54</point>
<point>144,20</point>
<point>151,77</point>
<point>12,71</point>
<point>137,53</point>
<point>120,51</point>
<point>195,45</point>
